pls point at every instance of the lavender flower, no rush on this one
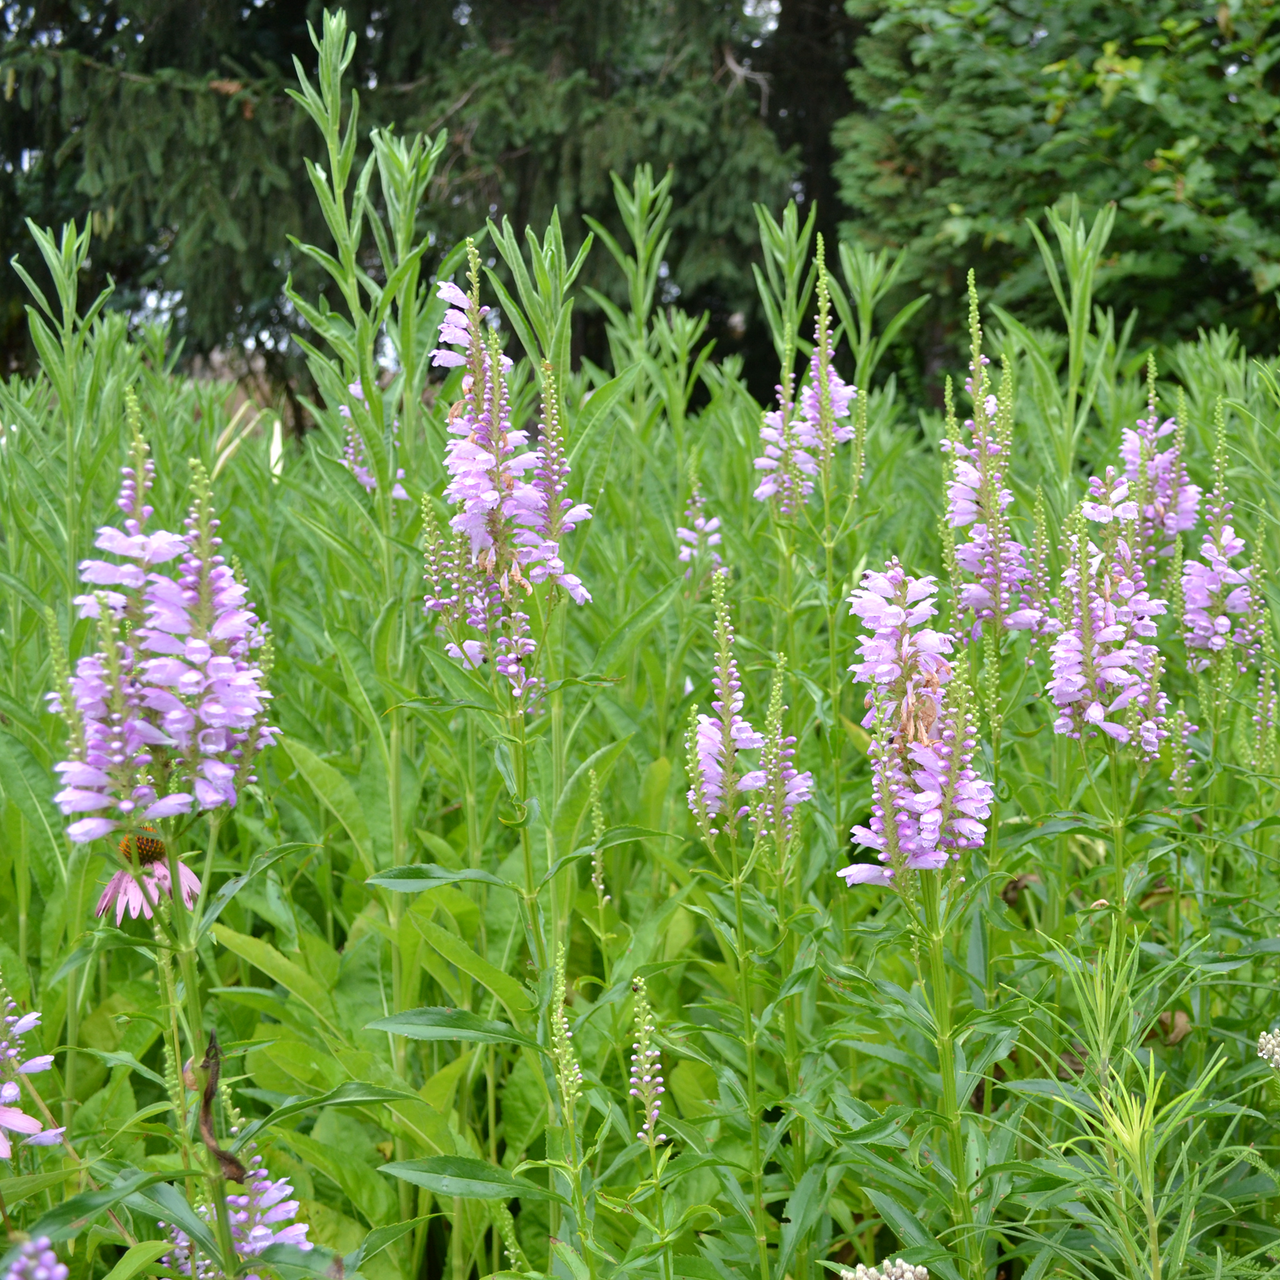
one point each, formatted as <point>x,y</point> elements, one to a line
<point>713,742</point>
<point>37,1261</point>
<point>353,457</point>
<point>698,537</point>
<point>800,435</point>
<point>1169,501</point>
<point>646,1064</point>
<point>169,714</point>
<point>782,787</point>
<point>998,585</point>
<point>256,1217</point>
<point>17,1064</point>
<point>1101,660</point>
<point>1219,604</point>
<point>511,508</point>
<point>928,802</point>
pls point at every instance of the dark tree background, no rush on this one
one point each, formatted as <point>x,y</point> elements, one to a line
<point>939,127</point>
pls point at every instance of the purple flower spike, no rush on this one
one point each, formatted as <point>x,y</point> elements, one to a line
<point>1222,611</point>
<point>798,438</point>
<point>993,580</point>
<point>353,456</point>
<point>167,717</point>
<point>1105,676</point>
<point>928,802</point>
<point>16,1062</point>
<point>1170,501</point>
<point>511,507</point>
<point>262,1215</point>
<point>713,742</point>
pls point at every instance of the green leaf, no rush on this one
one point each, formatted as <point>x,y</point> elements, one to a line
<point>296,980</point>
<point>599,405</point>
<point>68,1219</point>
<point>471,1179</point>
<point>379,1239</point>
<point>139,1258</point>
<point>14,1191</point>
<point>906,1225</point>
<point>430,875</point>
<point>457,952</point>
<point>437,1023</point>
<point>236,883</point>
<point>337,795</point>
<point>354,1093</point>
<point>628,634</point>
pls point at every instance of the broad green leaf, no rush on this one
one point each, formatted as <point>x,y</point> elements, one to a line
<point>429,875</point>
<point>296,980</point>
<point>457,952</point>
<point>337,795</point>
<point>355,1093</point>
<point>139,1258</point>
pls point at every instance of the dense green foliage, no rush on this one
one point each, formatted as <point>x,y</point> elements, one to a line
<point>170,124</point>
<point>1043,1064</point>
<point>971,118</point>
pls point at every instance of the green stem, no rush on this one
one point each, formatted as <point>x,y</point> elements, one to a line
<point>962,1208</point>
<point>749,1048</point>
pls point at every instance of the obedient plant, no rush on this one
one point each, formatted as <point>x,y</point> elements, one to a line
<point>424,953</point>
<point>167,718</point>
<point>511,510</point>
<point>800,435</point>
<point>928,802</point>
<point>17,1065</point>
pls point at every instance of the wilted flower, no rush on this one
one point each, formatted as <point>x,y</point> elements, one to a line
<point>1269,1048</point>
<point>169,714</point>
<point>887,1270</point>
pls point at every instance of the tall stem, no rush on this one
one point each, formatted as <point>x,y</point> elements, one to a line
<point>749,1048</point>
<point>962,1208</point>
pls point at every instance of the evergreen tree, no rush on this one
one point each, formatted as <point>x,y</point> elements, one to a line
<point>168,123</point>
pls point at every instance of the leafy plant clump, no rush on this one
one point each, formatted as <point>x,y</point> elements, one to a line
<point>585,822</point>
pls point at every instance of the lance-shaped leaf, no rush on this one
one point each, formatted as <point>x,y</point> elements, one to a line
<point>440,1023</point>
<point>471,1179</point>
